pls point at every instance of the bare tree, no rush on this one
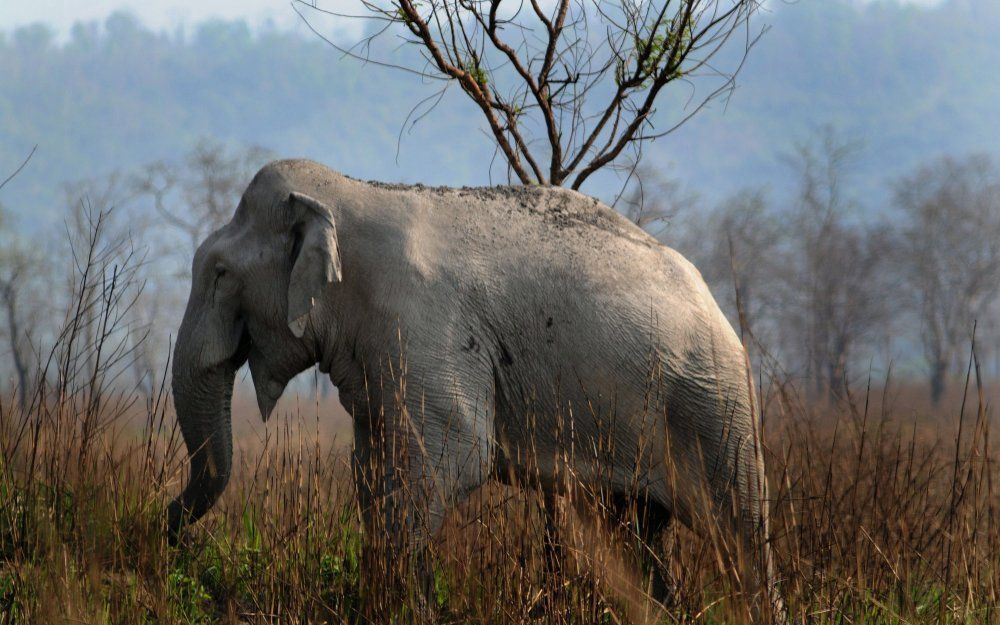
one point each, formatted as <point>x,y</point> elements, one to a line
<point>732,244</point>
<point>655,201</point>
<point>566,87</point>
<point>950,253</point>
<point>834,273</point>
<point>198,195</point>
<point>188,200</point>
<point>94,343</point>
<point>736,246</point>
<point>95,207</point>
<point>19,268</point>
<point>14,173</point>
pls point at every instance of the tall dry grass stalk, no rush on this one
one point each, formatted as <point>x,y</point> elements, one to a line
<point>879,515</point>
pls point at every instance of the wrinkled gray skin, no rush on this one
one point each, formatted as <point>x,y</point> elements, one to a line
<point>536,327</point>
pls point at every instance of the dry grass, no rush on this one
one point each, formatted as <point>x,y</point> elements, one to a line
<point>882,512</point>
<point>878,517</point>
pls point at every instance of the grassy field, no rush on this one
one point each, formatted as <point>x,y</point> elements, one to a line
<point>882,512</point>
<point>882,508</point>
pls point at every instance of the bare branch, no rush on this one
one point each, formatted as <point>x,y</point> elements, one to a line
<point>20,167</point>
<point>573,85</point>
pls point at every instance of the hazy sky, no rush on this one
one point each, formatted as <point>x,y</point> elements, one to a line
<point>158,14</point>
<point>170,13</point>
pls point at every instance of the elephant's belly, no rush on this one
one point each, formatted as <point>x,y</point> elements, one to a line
<point>615,446</point>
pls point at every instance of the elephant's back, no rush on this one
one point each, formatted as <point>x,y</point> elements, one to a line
<point>539,261</point>
<point>571,283</point>
<point>570,247</point>
<point>532,218</point>
<point>557,271</point>
<point>547,216</point>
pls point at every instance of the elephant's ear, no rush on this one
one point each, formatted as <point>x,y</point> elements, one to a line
<point>317,262</point>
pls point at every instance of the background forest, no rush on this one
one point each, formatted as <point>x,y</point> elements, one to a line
<point>868,126</point>
<point>843,204</point>
<point>911,83</point>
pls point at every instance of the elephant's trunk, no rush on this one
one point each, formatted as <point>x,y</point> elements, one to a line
<point>203,399</point>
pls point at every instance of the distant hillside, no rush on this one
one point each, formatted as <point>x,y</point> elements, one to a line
<point>911,83</point>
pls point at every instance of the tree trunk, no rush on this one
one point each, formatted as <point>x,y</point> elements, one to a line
<point>938,375</point>
<point>20,366</point>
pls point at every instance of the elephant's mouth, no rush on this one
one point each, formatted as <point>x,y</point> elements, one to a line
<point>269,381</point>
<point>244,346</point>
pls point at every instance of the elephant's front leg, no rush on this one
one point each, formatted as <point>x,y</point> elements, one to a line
<point>414,460</point>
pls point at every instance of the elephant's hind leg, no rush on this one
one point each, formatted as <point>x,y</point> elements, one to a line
<point>617,539</point>
<point>740,508</point>
<point>644,522</point>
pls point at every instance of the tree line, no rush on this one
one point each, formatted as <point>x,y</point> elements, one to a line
<point>833,290</point>
<point>131,234</point>
<point>826,290</point>
<point>117,93</point>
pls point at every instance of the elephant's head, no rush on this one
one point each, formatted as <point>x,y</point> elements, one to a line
<point>255,293</point>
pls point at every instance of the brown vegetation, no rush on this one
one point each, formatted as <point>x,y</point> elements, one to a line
<point>882,513</point>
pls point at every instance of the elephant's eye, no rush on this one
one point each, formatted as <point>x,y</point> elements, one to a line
<point>220,272</point>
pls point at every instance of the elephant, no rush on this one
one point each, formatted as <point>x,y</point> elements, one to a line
<point>537,333</point>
